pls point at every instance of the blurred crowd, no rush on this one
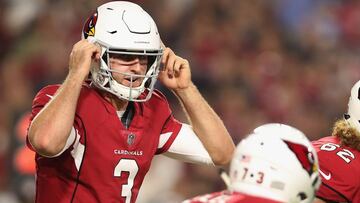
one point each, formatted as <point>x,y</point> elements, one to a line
<point>255,61</point>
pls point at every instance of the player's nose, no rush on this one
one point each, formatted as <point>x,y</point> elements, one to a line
<point>136,66</point>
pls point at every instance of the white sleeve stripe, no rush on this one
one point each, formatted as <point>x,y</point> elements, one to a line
<point>78,152</point>
<point>163,139</point>
<point>190,158</point>
<point>188,147</point>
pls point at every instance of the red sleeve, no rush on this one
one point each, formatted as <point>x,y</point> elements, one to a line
<point>171,126</point>
<point>329,194</point>
<point>40,100</point>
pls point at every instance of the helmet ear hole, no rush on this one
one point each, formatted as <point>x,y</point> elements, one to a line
<point>302,196</point>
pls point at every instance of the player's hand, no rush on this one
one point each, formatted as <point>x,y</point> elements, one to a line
<point>175,73</point>
<point>81,57</point>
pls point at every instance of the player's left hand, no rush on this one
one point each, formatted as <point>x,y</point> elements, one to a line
<point>175,73</point>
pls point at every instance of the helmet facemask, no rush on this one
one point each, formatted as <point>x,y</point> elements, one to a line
<point>103,75</point>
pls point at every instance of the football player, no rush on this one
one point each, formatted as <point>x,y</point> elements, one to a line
<point>94,141</point>
<point>339,156</point>
<point>275,163</point>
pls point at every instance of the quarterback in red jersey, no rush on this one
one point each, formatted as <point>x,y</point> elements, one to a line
<point>276,163</point>
<point>339,156</point>
<point>94,142</point>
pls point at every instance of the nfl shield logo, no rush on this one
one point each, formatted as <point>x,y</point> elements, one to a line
<point>131,138</point>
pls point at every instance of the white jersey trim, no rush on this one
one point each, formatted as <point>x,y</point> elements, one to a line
<point>163,139</point>
<point>78,152</point>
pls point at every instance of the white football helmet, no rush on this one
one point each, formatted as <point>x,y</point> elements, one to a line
<point>122,27</point>
<point>276,162</point>
<point>353,115</point>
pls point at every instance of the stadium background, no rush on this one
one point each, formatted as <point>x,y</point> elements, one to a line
<point>255,61</point>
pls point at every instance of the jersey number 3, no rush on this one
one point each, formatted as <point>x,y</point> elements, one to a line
<point>130,166</point>
<point>345,154</point>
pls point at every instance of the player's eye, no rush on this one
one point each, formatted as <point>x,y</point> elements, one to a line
<point>129,57</point>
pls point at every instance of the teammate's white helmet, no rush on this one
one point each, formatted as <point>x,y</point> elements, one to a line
<point>353,115</point>
<point>122,27</point>
<point>276,162</point>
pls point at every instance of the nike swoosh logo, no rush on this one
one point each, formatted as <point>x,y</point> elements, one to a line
<point>326,176</point>
<point>50,96</point>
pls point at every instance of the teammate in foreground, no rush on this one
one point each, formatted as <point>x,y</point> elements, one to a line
<point>95,141</point>
<point>339,156</point>
<point>276,163</point>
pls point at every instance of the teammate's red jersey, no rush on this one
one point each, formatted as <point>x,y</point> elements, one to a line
<point>228,197</point>
<point>107,161</point>
<point>339,170</point>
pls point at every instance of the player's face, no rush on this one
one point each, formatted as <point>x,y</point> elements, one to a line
<point>133,64</point>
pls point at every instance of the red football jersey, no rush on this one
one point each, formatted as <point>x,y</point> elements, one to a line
<point>228,197</point>
<point>106,162</point>
<point>339,171</point>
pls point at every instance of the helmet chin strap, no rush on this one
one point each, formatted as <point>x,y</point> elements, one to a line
<point>124,92</point>
<point>225,177</point>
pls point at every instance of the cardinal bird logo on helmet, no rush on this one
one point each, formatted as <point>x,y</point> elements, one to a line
<point>89,27</point>
<point>305,157</point>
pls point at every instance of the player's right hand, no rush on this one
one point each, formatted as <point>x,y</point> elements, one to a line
<point>81,57</point>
